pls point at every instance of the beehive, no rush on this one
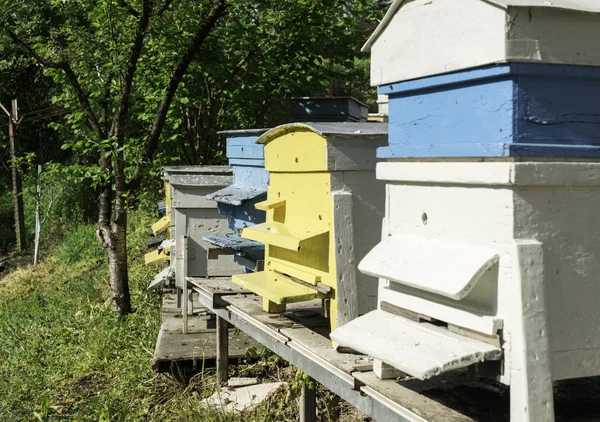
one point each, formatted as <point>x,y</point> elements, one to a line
<point>236,202</point>
<point>163,253</point>
<point>323,196</point>
<point>195,217</point>
<point>488,257</point>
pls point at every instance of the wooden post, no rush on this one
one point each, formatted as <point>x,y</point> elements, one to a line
<point>308,403</point>
<point>17,183</point>
<point>222,350</point>
<point>185,298</point>
<point>38,223</point>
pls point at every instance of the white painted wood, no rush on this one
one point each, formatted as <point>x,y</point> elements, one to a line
<point>159,279</point>
<point>531,392</point>
<point>368,207</point>
<point>492,173</point>
<point>460,213</point>
<point>573,5</point>
<point>560,36</point>
<point>418,349</point>
<point>185,296</point>
<point>448,310</point>
<point>427,37</point>
<point>347,284</point>
<point>385,371</point>
<point>444,267</point>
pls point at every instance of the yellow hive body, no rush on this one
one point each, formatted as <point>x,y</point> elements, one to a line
<point>323,196</point>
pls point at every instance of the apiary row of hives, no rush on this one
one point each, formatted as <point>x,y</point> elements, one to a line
<point>465,234</point>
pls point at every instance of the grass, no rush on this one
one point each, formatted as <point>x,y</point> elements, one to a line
<point>64,355</point>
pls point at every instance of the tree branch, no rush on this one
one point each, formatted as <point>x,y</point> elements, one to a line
<point>151,142</point>
<point>129,9</point>
<point>164,7</point>
<point>81,95</point>
<point>136,49</point>
<point>43,61</point>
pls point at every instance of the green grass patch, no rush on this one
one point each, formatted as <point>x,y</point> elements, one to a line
<point>65,355</point>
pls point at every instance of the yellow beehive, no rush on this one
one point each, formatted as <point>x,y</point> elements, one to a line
<point>324,211</point>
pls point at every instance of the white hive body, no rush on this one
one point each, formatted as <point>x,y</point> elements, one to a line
<point>500,254</point>
<point>451,35</point>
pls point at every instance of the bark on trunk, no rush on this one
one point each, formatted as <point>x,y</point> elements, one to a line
<point>117,264</point>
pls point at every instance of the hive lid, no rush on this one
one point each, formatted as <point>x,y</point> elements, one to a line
<point>202,179</point>
<point>233,242</point>
<point>591,6</point>
<point>242,132</point>
<point>329,129</point>
<point>236,195</point>
<point>444,267</point>
<point>175,170</point>
<point>421,350</point>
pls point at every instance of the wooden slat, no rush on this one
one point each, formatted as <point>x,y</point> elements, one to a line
<point>347,283</point>
<point>413,401</point>
<point>445,267</point>
<point>215,288</point>
<point>419,349</point>
<point>275,287</point>
<point>277,234</point>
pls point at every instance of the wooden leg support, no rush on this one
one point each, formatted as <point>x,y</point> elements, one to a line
<point>222,350</point>
<point>184,310</point>
<point>308,403</point>
<point>531,393</point>
<point>272,307</point>
<point>385,371</point>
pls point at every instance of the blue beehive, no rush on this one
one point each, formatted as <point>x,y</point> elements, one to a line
<point>236,202</point>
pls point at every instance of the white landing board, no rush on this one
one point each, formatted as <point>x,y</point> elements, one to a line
<point>421,350</point>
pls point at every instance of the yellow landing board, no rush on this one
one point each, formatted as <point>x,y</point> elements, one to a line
<point>155,257</point>
<point>281,235</point>
<point>161,225</point>
<point>275,287</point>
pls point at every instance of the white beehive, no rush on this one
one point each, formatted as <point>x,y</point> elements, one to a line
<point>486,262</point>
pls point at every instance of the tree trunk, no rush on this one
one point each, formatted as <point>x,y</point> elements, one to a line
<point>117,264</point>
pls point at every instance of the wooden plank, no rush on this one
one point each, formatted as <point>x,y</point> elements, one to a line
<point>531,391</point>
<point>419,349</point>
<point>250,307</point>
<point>198,347</point>
<point>275,287</point>
<point>285,236</point>
<point>214,289</point>
<point>448,268</point>
<point>347,296</point>
<point>429,409</point>
<point>319,344</point>
<point>220,286</point>
<point>222,350</point>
